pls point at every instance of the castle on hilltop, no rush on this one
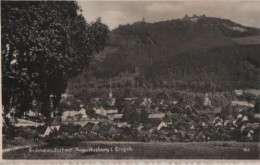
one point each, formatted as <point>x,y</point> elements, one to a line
<point>193,18</point>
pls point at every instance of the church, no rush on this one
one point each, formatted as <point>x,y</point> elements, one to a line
<point>109,108</point>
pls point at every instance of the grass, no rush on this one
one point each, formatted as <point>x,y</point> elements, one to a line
<point>140,150</point>
<point>18,142</point>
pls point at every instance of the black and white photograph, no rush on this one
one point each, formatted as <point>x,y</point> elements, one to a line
<point>130,80</point>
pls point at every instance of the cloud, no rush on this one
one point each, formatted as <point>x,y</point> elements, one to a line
<point>245,13</point>
<point>113,18</point>
<point>164,7</point>
<point>115,13</point>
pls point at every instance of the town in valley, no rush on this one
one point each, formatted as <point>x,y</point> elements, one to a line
<point>130,80</point>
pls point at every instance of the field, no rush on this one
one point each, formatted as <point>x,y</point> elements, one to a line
<point>139,150</point>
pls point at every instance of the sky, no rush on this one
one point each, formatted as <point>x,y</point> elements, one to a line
<point>114,13</point>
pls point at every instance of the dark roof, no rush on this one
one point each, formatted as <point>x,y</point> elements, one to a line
<point>190,131</point>
<point>88,126</point>
<point>153,122</point>
<point>70,129</point>
<point>105,128</point>
<point>41,129</point>
<point>113,130</point>
<point>56,121</point>
<point>167,119</point>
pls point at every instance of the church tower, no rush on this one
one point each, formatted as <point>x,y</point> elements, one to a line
<point>110,92</point>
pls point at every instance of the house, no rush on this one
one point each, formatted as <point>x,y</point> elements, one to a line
<point>167,120</point>
<point>230,118</point>
<point>96,99</point>
<point>82,112</point>
<point>11,116</point>
<point>211,120</point>
<point>187,107</point>
<point>227,122</point>
<point>203,124</point>
<point>239,116</point>
<point>242,103</point>
<point>217,110</point>
<point>100,111</point>
<point>26,123</point>
<point>55,126</point>
<point>74,114</point>
<point>238,92</point>
<point>243,127</point>
<point>81,105</point>
<point>108,130</point>
<point>69,129</point>
<point>245,118</point>
<point>118,117</point>
<point>191,132</point>
<point>155,123</point>
<point>111,101</point>
<point>122,124</point>
<point>249,134</point>
<point>140,127</point>
<point>218,121</point>
<point>174,102</point>
<point>201,136</point>
<point>192,125</point>
<point>90,128</point>
<point>257,115</point>
<point>65,95</point>
<point>207,101</point>
<point>113,131</point>
<point>130,98</point>
<point>156,116</point>
<point>112,111</point>
<point>31,113</point>
<point>253,126</point>
<point>115,117</point>
<point>146,102</point>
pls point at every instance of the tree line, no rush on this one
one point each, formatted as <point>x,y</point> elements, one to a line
<point>44,44</point>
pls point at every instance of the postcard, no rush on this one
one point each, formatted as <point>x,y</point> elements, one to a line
<point>98,81</point>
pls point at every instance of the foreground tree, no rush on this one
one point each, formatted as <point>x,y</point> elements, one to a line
<point>44,44</point>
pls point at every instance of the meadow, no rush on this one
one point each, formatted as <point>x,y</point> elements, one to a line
<point>139,150</point>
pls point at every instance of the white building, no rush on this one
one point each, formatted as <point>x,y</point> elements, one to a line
<point>74,114</point>
<point>156,116</point>
<point>242,103</point>
<point>207,101</point>
<point>55,126</point>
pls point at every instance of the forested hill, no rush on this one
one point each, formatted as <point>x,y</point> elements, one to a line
<point>221,68</point>
<point>142,54</point>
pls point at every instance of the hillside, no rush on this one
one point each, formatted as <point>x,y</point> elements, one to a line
<point>142,55</point>
<point>221,68</point>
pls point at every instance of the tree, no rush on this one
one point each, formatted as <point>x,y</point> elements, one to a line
<point>144,115</point>
<point>248,97</point>
<point>44,44</point>
<point>226,111</point>
<point>257,105</point>
<point>131,115</point>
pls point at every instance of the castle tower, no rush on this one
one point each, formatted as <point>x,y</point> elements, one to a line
<point>143,19</point>
<point>110,92</point>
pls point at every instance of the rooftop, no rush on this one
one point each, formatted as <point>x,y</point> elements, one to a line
<point>156,116</point>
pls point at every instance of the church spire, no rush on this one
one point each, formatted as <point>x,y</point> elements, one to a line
<point>110,92</point>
